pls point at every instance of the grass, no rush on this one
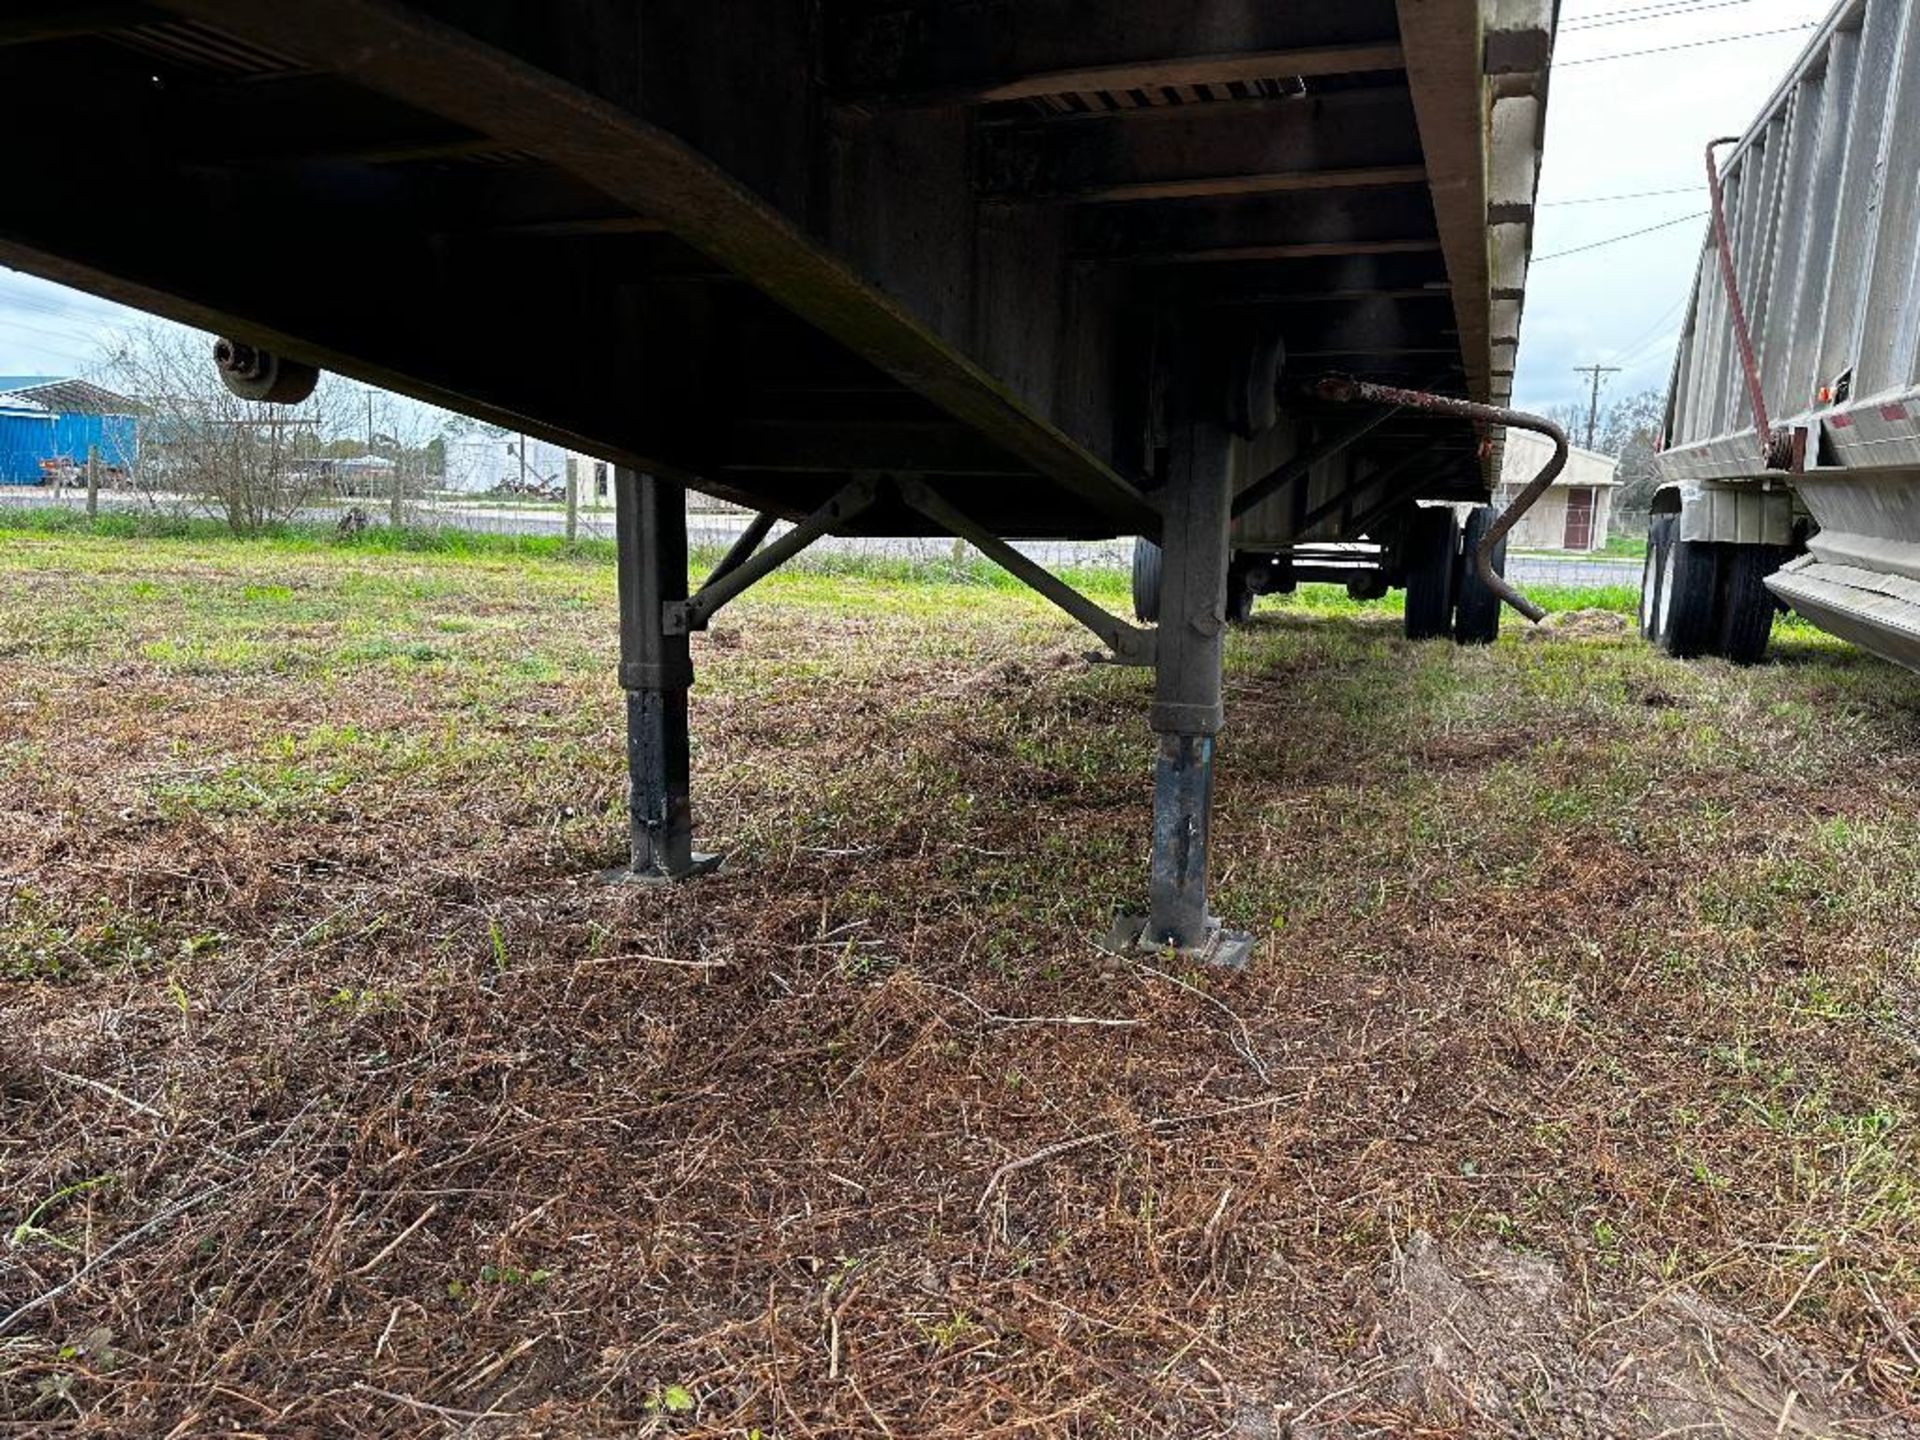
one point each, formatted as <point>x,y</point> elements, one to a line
<point>1627,544</point>
<point>316,1009</point>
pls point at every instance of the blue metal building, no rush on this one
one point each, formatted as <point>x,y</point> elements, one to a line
<point>48,422</point>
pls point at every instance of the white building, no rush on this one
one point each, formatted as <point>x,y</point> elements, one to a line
<point>478,464</point>
<point>1575,513</point>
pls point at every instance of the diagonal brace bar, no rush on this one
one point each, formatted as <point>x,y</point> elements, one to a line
<point>685,616</point>
<point>1130,644</point>
<point>1278,480</point>
<point>742,549</point>
<point>1388,478</point>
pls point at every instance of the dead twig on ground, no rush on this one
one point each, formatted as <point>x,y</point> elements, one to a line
<point>125,1241</point>
<point>1156,1126</point>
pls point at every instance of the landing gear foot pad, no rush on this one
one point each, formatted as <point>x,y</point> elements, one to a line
<point>627,875</point>
<point>1223,949</point>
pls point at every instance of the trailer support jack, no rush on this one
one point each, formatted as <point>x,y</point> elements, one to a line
<point>1187,709</point>
<point>656,671</point>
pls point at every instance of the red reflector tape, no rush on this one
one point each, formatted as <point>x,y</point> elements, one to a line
<point>1841,422</point>
<point>1893,412</point>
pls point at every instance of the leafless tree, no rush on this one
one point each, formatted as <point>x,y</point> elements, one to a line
<point>202,448</point>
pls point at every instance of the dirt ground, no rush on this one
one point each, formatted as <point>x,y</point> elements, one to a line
<point>1571,1090</point>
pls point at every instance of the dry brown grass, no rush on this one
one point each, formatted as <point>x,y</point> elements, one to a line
<point>339,1098</point>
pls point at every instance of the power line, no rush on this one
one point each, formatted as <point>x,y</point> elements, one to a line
<point>1629,195</point>
<point>1632,357</point>
<point>1648,14</point>
<point>1616,239</point>
<point>1686,45</point>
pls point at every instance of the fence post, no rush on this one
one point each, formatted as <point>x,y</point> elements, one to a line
<point>93,481</point>
<point>573,499</point>
<point>394,514</point>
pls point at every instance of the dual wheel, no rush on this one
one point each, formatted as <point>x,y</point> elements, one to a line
<point>1698,597</point>
<point>1445,595</point>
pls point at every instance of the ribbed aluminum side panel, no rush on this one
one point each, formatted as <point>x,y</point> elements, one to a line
<point>1888,310</point>
<point>1826,167</point>
<point>1879,41</point>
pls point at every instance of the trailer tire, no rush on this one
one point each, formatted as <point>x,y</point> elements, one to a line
<point>1476,614</point>
<point>1433,548</point>
<point>1689,598</point>
<point>1146,580</point>
<point>1240,592</point>
<point>1652,574</point>
<point>1370,585</point>
<point>1746,620</point>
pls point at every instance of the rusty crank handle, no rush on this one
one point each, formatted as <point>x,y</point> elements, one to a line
<point>1348,391</point>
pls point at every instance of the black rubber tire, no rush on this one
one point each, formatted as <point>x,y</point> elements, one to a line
<point>1476,611</point>
<point>1370,586</point>
<point>1689,599</point>
<point>1433,544</point>
<point>1746,605</point>
<point>1240,591</point>
<point>1146,580</point>
<point>1652,573</point>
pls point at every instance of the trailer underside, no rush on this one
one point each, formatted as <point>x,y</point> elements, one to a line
<point>1056,270</point>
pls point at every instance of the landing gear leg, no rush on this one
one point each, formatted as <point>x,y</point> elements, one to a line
<point>656,671</point>
<point>1187,710</point>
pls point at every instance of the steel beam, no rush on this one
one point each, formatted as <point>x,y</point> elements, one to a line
<point>742,549</point>
<point>598,137</point>
<point>681,615</point>
<point>1446,72</point>
<point>656,671</point>
<point>33,24</point>
<point>942,55</point>
<point>1234,147</point>
<point>1386,220</point>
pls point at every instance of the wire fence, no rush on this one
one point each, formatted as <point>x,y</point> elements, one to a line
<point>711,525</point>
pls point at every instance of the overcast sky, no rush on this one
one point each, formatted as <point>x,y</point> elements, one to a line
<point>1616,127</point>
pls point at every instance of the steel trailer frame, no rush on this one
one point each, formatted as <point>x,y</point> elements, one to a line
<point>1007,271</point>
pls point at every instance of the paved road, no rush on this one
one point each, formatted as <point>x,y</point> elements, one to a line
<point>720,529</point>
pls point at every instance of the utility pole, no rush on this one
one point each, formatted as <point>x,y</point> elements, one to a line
<point>1593,405</point>
<point>573,498</point>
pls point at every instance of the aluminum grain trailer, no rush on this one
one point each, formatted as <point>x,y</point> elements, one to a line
<point>1791,456</point>
<point>988,268</point>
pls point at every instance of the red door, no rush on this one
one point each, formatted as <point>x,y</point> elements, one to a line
<point>1579,518</point>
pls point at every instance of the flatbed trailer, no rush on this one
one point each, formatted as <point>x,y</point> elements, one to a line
<point>990,268</point>
<point>1790,462</point>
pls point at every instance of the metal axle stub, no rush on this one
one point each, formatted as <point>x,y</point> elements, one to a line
<point>1222,949</point>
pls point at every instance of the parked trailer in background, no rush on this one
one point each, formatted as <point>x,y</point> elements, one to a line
<point>1791,460</point>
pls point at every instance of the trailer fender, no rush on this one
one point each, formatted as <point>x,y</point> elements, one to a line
<point>1737,514</point>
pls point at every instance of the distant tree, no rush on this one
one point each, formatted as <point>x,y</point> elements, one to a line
<point>1630,432</point>
<point>1571,418</point>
